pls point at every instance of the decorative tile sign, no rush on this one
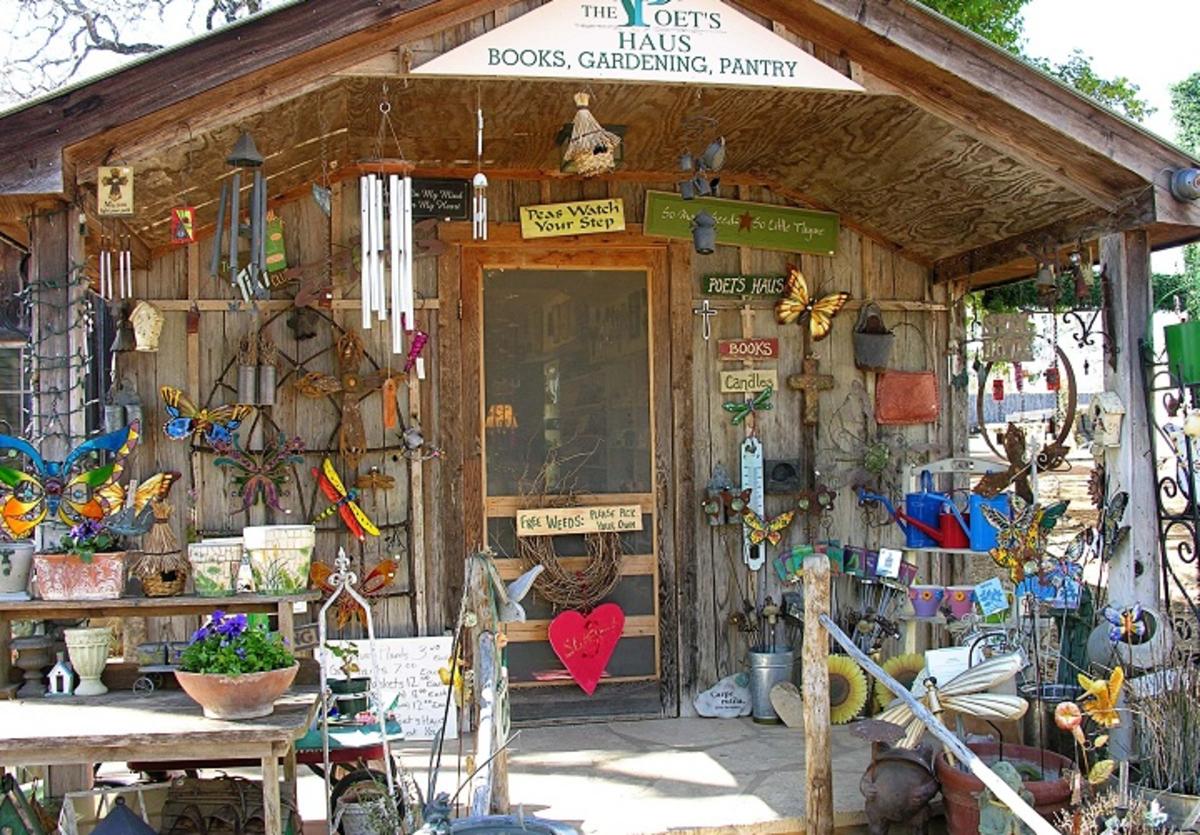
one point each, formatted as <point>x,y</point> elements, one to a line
<point>114,191</point>
<point>749,381</point>
<point>758,225</point>
<point>1008,337</point>
<point>666,41</point>
<point>589,217</point>
<point>991,597</point>
<point>758,286</point>
<point>441,199</point>
<point>748,349</point>
<point>554,521</point>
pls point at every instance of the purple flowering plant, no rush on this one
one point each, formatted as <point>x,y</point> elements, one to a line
<point>228,645</point>
<point>88,538</point>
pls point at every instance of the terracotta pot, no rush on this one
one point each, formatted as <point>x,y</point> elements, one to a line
<point>67,577</point>
<point>960,789</point>
<point>248,696</point>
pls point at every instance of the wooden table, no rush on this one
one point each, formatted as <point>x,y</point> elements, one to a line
<point>144,607</point>
<point>161,726</point>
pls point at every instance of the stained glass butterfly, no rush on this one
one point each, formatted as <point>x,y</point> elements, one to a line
<point>796,304</point>
<point>767,530</point>
<point>216,426</point>
<point>1021,540</point>
<point>262,476</point>
<point>373,585</point>
<point>72,489</point>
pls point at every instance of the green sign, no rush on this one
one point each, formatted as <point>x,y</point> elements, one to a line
<point>758,225</point>
<point>758,286</point>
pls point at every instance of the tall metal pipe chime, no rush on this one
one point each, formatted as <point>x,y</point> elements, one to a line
<point>386,215</point>
<point>250,279</point>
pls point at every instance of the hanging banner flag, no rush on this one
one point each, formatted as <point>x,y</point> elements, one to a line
<point>114,191</point>
<point>676,42</point>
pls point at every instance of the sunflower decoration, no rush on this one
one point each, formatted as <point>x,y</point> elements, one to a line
<point>847,689</point>
<point>903,668</point>
<point>1102,695</point>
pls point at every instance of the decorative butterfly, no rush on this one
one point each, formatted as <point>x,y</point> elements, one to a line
<point>769,530</point>
<point>344,502</point>
<point>261,476</point>
<point>796,304</point>
<point>215,425</point>
<point>373,585</point>
<point>136,514</point>
<point>742,410</point>
<point>966,693</point>
<point>1112,532</point>
<point>1021,540</point>
<point>71,489</point>
<point>1125,624</point>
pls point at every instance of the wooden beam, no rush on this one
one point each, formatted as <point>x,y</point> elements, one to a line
<point>1133,214</point>
<point>993,96</point>
<point>267,58</point>
<point>818,754</point>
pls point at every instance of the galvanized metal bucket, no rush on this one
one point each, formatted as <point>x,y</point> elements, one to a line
<point>766,670</point>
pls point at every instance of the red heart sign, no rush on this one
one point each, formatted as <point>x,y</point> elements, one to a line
<point>584,643</point>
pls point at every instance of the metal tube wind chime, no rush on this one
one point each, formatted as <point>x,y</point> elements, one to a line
<point>479,199</point>
<point>124,276</point>
<point>386,245</point>
<point>249,279</point>
<point>386,214</point>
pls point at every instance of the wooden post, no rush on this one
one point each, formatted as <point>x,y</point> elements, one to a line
<point>818,756</point>
<point>272,812</point>
<point>1135,568</point>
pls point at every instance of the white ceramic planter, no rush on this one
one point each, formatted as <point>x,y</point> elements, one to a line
<point>16,560</point>
<point>280,556</point>
<point>88,649</point>
<point>215,564</point>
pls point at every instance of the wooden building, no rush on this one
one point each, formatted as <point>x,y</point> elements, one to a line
<point>948,163</point>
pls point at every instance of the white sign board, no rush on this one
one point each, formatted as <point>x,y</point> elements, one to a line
<point>664,41</point>
<point>410,672</point>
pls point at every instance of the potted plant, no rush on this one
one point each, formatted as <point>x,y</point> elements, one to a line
<point>235,671</point>
<point>90,565</point>
<point>16,560</point>
<point>349,691</point>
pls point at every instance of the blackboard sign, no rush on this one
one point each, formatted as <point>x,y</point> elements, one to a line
<point>441,199</point>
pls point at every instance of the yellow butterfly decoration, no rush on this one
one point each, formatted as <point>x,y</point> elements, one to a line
<point>768,530</point>
<point>796,304</point>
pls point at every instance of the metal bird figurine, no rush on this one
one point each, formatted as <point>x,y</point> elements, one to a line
<point>511,610</point>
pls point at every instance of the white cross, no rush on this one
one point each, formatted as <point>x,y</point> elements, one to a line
<point>707,312</point>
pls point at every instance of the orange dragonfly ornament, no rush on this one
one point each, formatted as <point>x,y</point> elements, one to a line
<point>375,584</point>
<point>345,502</point>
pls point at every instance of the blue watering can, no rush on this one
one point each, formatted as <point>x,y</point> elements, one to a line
<point>929,519</point>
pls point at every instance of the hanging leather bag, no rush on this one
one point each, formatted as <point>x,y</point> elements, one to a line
<point>908,398</point>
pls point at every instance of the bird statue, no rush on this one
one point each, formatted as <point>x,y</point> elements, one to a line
<point>511,610</point>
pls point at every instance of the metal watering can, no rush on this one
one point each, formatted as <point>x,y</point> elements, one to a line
<point>929,519</point>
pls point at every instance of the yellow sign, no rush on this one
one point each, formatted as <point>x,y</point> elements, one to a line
<point>554,521</point>
<point>590,217</point>
<point>749,381</point>
<point>114,191</point>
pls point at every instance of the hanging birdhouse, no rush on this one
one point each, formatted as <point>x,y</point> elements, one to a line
<point>592,148</point>
<point>61,680</point>
<point>1107,413</point>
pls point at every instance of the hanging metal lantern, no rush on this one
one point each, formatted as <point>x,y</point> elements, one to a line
<point>997,389</point>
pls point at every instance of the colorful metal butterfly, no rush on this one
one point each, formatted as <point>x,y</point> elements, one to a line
<point>1125,624</point>
<point>1021,540</point>
<point>136,507</point>
<point>1112,532</point>
<point>796,304</point>
<point>216,426</point>
<point>373,585</point>
<point>344,502</point>
<point>742,410</point>
<point>72,489</point>
<point>262,476</point>
<point>767,530</point>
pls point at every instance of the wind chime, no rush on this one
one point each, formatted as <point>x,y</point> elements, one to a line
<point>479,200</point>
<point>118,245</point>
<point>386,215</point>
<point>250,279</point>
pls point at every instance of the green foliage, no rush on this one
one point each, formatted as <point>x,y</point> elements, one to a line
<point>1185,108</point>
<point>1000,21</point>
<point>1022,296</point>
<point>226,645</point>
<point>87,539</point>
<point>347,656</point>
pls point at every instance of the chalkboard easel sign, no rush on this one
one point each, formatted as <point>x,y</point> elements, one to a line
<point>441,199</point>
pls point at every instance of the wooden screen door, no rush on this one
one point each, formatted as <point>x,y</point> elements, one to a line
<point>558,351</point>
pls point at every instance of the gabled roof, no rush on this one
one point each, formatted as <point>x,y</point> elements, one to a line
<point>1022,161</point>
